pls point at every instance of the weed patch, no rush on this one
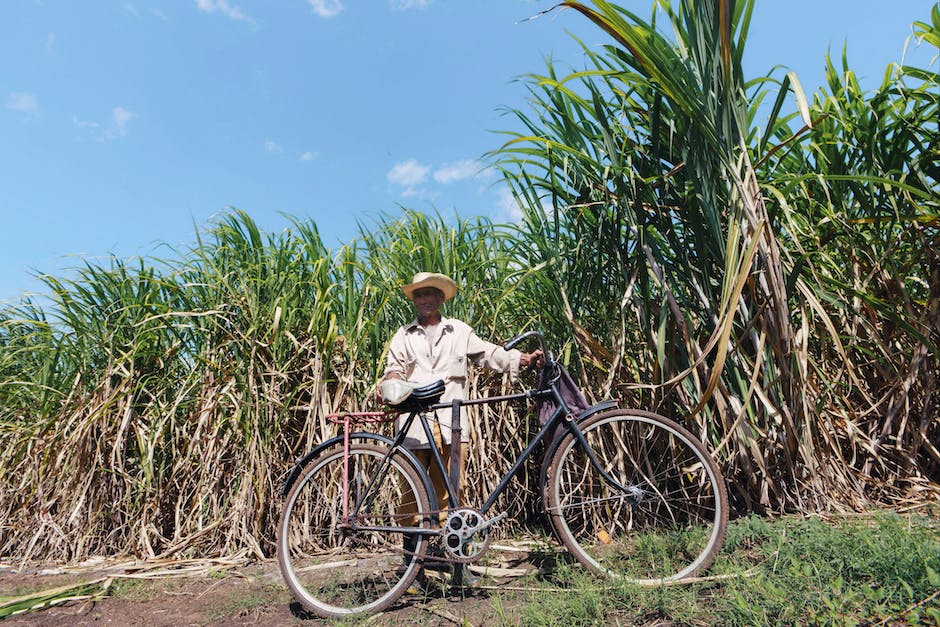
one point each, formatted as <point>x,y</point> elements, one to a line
<point>850,570</point>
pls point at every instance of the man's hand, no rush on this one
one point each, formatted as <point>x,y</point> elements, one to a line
<point>531,359</point>
<point>378,386</point>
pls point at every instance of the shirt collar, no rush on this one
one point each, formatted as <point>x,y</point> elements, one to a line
<point>446,325</point>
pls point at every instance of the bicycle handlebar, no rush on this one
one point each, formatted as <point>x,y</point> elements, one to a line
<point>511,344</point>
<point>516,340</point>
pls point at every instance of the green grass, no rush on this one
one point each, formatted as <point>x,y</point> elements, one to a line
<point>241,604</point>
<point>851,571</point>
<point>134,589</point>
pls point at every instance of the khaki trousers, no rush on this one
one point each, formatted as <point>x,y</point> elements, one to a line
<point>408,506</point>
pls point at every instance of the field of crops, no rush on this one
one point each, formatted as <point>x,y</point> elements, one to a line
<point>772,284</point>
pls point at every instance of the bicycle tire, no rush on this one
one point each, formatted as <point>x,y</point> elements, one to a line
<point>667,518</point>
<point>366,437</point>
<point>336,571</point>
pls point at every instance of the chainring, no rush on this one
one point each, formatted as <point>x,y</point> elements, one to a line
<point>463,539</point>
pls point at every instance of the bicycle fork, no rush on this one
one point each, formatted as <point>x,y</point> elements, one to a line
<point>633,494</point>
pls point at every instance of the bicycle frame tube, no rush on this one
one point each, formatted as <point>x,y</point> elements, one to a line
<point>435,453</point>
<point>438,461</point>
<point>561,412</point>
<point>579,436</point>
<point>346,438</point>
<point>399,443</point>
<point>377,477</point>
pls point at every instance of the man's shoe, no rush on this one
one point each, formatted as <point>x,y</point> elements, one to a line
<point>463,577</point>
<point>419,586</point>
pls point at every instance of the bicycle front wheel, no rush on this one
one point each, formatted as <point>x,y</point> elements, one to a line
<point>658,511</point>
<point>337,565</point>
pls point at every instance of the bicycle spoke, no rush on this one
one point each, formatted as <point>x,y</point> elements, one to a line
<point>337,567</point>
<point>666,522</point>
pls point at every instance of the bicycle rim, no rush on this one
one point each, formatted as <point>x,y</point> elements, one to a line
<point>333,570</point>
<point>666,520</point>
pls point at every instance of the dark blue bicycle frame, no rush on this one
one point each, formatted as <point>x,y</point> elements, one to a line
<point>562,412</point>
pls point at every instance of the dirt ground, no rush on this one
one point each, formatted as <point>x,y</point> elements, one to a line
<point>252,594</point>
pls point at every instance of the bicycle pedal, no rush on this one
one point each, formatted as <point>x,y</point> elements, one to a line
<point>438,566</point>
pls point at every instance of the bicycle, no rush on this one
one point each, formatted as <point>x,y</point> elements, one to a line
<point>629,493</point>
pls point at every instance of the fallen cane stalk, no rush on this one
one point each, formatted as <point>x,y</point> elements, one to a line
<point>439,613</point>
<point>93,589</point>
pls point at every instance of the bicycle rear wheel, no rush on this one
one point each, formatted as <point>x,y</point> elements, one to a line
<point>337,569</point>
<point>663,515</point>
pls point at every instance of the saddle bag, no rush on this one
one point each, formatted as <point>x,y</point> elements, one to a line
<point>417,399</point>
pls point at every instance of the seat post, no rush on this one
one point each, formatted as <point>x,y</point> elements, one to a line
<point>455,461</point>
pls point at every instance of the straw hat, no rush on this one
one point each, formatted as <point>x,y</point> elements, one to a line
<point>431,279</point>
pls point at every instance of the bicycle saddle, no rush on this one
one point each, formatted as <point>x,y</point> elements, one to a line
<point>408,396</point>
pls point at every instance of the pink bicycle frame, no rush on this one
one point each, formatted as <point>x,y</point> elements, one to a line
<point>358,418</point>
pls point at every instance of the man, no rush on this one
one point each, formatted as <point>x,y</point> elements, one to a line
<point>433,347</point>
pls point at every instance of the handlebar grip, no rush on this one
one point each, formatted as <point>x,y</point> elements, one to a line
<point>513,342</point>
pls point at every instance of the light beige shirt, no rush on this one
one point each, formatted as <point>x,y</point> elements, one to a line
<point>412,356</point>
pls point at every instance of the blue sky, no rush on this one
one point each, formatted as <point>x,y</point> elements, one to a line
<point>127,123</point>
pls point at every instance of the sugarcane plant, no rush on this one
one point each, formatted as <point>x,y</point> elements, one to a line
<point>754,261</point>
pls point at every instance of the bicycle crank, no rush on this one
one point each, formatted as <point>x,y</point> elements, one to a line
<point>466,534</point>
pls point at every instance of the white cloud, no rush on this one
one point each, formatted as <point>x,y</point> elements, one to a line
<point>223,7</point>
<point>83,124</point>
<point>120,118</point>
<point>24,103</point>
<point>157,13</point>
<point>422,194</point>
<point>408,173</point>
<point>272,146</point>
<point>507,209</point>
<point>309,156</point>
<point>21,101</point>
<point>326,8</point>
<point>405,5</point>
<point>50,43</point>
<point>117,125</point>
<point>457,171</point>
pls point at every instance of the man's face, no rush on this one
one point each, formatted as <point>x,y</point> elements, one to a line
<point>427,301</point>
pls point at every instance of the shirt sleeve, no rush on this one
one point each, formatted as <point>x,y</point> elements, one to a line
<point>489,355</point>
<point>397,360</point>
